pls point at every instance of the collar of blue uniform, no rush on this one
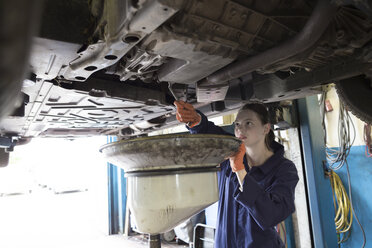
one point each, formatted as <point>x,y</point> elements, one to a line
<point>266,167</point>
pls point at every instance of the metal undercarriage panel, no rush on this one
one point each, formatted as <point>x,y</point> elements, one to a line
<point>107,70</point>
<point>55,111</point>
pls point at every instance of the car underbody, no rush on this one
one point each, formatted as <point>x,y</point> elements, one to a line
<point>115,67</point>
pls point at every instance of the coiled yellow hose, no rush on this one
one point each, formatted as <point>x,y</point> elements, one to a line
<point>343,207</point>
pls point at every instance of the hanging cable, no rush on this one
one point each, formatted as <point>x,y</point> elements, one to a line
<point>342,204</point>
<point>352,207</point>
<point>367,139</point>
<point>337,158</point>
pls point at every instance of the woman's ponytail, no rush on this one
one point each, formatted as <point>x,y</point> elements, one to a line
<point>270,137</point>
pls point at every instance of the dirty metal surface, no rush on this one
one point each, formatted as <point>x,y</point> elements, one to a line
<point>170,151</point>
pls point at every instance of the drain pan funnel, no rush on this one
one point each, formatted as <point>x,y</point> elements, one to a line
<point>170,177</point>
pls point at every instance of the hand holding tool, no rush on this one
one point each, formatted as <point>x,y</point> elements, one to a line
<point>187,114</point>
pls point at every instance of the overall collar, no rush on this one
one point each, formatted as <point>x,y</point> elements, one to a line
<point>268,165</point>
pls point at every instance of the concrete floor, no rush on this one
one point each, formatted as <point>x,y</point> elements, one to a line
<point>139,241</point>
<point>34,213</point>
<point>45,220</point>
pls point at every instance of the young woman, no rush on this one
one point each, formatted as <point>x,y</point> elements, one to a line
<point>256,185</point>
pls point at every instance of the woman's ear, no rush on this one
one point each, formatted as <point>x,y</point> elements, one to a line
<point>267,128</point>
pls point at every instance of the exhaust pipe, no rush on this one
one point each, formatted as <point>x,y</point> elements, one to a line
<point>316,25</point>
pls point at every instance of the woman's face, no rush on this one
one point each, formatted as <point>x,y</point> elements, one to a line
<point>249,128</point>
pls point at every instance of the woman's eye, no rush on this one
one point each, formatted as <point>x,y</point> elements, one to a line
<point>248,123</point>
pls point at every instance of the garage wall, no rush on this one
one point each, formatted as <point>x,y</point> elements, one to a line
<point>360,167</point>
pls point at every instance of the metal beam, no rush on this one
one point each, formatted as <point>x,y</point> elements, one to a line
<point>116,196</point>
<point>318,186</point>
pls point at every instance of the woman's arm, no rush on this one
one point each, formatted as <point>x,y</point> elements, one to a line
<point>273,205</point>
<point>195,120</point>
<point>206,127</point>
